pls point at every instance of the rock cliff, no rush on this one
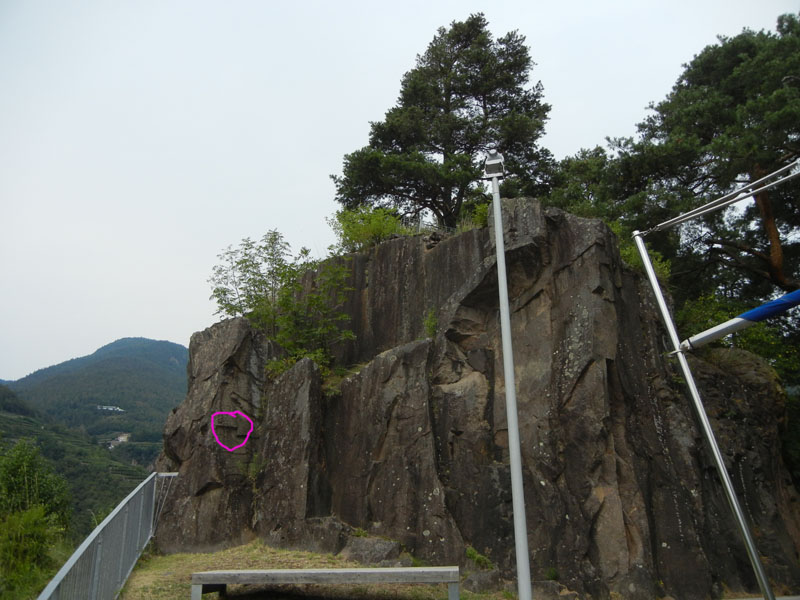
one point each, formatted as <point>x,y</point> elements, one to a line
<point>621,495</point>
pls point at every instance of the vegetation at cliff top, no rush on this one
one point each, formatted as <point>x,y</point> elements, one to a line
<point>363,227</point>
<point>467,93</point>
<point>296,302</point>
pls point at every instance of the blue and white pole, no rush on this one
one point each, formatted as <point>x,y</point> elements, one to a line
<point>744,320</point>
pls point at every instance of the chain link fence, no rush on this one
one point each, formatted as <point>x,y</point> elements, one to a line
<point>98,569</point>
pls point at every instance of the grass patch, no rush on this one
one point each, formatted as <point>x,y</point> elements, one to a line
<point>332,384</point>
<point>166,577</point>
<point>479,559</point>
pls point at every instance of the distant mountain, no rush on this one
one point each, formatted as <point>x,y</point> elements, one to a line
<point>144,379</point>
<point>165,356</point>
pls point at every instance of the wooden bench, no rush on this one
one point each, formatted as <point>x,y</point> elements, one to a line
<point>217,581</point>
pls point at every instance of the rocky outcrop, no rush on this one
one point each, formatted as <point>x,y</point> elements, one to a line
<point>621,496</point>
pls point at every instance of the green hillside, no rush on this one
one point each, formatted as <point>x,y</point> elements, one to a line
<point>142,379</point>
<point>97,481</point>
<point>58,408</point>
<point>11,403</point>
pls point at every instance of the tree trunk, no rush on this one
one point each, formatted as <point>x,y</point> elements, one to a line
<point>775,263</point>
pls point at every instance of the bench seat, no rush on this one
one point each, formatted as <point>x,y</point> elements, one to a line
<point>215,581</point>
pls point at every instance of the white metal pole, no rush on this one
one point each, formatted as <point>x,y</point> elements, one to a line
<point>515,456</point>
<point>705,424</point>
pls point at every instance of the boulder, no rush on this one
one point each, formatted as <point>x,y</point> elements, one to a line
<point>371,550</point>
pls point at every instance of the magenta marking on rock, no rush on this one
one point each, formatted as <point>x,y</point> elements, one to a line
<point>233,414</point>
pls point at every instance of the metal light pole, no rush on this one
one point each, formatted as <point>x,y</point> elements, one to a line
<point>494,170</point>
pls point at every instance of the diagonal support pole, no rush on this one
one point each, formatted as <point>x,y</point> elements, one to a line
<point>705,424</point>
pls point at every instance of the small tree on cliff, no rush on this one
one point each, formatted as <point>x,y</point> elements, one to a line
<point>467,93</point>
<point>249,278</point>
<point>296,302</point>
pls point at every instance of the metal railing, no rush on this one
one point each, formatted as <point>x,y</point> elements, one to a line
<point>98,569</point>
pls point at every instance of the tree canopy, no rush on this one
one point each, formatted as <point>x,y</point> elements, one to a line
<point>467,93</point>
<point>732,117</point>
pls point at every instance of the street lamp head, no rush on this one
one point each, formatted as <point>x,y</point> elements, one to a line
<point>493,165</point>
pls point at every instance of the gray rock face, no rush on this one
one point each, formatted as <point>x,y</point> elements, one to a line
<point>621,496</point>
<point>210,502</point>
<point>371,551</point>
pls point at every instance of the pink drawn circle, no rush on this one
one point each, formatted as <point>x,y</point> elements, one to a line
<point>233,414</point>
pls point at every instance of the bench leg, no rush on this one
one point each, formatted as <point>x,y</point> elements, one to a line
<point>198,589</point>
<point>452,591</point>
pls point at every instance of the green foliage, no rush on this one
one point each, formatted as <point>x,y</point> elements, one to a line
<point>732,117</point>
<point>27,480</point>
<point>630,253</point>
<point>474,215</point>
<point>479,559</point>
<point>96,481</point>
<point>10,402</point>
<point>431,323</point>
<point>250,277</point>
<point>136,453</point>
<point>551,574</point>
<point>34,512</point>
<point>26,538</point>
<point>468,92</point>
<point>361,228</point>
<point>480,215</point>
<point>584,185</point>
<point>297,303</point>
<point>771,341</point>
<point>310,320</point>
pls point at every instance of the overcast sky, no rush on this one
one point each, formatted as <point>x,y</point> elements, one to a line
<point>138,139</point>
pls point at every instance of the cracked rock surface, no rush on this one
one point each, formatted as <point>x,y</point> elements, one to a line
<point>621,495</point>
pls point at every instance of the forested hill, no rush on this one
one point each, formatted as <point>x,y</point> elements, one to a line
<point>97,479</point>
<point>142,378</point>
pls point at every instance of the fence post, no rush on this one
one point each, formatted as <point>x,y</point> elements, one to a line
<point>98,555</point>
<point>122,547</point>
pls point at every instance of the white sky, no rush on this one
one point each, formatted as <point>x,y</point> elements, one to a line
<point>139,138</point>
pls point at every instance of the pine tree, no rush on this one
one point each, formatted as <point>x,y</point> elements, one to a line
<point>468,93</point>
